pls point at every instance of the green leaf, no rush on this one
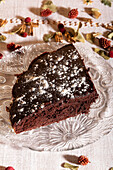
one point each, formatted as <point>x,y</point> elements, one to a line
<point>47,37</point>
<point>80,37</point>
<point>75,34</point>
<point>101,53</point>
<point>49,5</point>
<point>90,38</point>
<point>106,2</point>
<point>72,167</point>
<point>110,36</point>
<point>2,37</point>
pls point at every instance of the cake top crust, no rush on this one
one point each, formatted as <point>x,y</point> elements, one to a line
<point>49,78</point>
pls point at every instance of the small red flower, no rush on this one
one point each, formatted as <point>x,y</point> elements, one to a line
<point>28,20</point>
<point>11,46</point>
<point>73,13</point>
<point>1,55</point>
<point>46,12</point>
<point>61,28</point>
<point>24,34</point>
<point>9,168</point>
<point>111,54</point>
<point>83,160</point>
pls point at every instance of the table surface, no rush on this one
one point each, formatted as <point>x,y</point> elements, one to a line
<point>100,153</point>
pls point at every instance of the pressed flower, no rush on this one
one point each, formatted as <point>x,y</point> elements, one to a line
<point>104,43</point>
<point>26,28</point>
<point>83,160</point>
<point>73,13</point>
<point>45,12</point>
<point>102,53</point>
<point>87,2</point>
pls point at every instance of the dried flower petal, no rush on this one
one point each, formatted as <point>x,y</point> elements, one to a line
<point>2,37</point>
<point>73,13</point>
<point>83,160</point>
<point>72,167</point>
<point>16,31</point>
<point>22,29</point>
<point>104,43</point>
<point>68,36</point>
<point>74,35</point>
<point>90,38</point>
<point>79,37</point>
<point>58,37</point>
<point>102,53</point>
<point>95,13</point>
<point>3,22</point>
<point>84,19</point>
<point>48,37</point>
<point>46,12</point>
<point>110,36</point>
<point>106,2</point>
<point>49,5</point>
<point>96,34</point>
<point>87,2</point>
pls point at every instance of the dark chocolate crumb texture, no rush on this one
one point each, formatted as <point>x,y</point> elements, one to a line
<point>56,86</point>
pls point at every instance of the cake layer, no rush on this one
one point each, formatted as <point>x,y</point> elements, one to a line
<point>56,86</point>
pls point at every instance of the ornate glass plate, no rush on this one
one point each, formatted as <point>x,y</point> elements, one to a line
<point>68,134</point>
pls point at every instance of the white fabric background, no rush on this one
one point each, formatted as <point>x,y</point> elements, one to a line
<point>100,153</point>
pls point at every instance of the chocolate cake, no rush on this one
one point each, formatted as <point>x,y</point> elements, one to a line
<point>56,86</point>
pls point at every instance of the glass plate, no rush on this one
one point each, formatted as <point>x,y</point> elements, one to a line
<point>68,134</point>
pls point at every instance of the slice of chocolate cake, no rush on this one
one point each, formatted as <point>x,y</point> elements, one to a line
<point>56,86</point>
